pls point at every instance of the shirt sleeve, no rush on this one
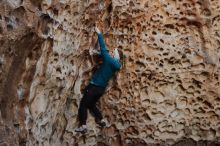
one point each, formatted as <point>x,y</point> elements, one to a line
<point>114,63</point>
<point>105,55</point>
<point>104,51</point>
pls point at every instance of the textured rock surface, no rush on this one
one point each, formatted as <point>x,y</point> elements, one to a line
<point>168,92</point>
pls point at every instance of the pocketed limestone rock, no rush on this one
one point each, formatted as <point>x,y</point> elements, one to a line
<point>167,92</point>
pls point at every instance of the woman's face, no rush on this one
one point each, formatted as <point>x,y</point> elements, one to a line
<point>111,54</point>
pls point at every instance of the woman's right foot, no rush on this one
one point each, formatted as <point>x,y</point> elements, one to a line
<point>82,129</point>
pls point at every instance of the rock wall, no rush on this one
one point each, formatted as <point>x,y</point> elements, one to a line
<point>167,93</point>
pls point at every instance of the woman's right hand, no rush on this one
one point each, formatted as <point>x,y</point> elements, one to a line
<point>97,30</point>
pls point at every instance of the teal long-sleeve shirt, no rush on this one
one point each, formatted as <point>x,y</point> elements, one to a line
<point>108,67</point>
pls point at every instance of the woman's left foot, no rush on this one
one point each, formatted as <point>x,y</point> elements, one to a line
<point>82,129</point>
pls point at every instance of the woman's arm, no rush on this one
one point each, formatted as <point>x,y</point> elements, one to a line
<point>103,50</point>
<point>102,43</point>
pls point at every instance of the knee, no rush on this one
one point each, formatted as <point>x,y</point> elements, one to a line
<point>90,107</point>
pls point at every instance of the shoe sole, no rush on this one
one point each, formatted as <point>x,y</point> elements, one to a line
<point>82,132</point>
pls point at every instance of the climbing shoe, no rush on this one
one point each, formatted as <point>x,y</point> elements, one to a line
<point>101,123</point>
<point>82,129</point>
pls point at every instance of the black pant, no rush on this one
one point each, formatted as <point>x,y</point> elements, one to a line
<point>91,95</point>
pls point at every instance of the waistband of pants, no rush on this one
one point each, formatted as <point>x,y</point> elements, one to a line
<point>93,84</point>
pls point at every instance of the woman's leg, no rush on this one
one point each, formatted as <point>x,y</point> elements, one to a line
<point>82,112</point>
<point>92,106</point>
<point>92,94</point>
<point>96,113</point>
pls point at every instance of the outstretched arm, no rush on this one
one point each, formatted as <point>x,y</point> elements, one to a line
<point>104,51</point>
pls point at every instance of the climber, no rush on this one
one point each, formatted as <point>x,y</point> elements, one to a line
<point>95,89</point>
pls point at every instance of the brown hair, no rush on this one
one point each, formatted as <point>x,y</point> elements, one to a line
<point>120,53</point>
